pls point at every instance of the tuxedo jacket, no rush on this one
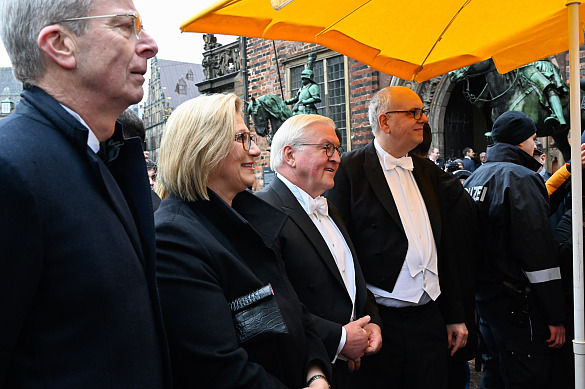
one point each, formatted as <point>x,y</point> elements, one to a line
<point>313,271</point>
<point>365,202</point>
<point>77,284</point>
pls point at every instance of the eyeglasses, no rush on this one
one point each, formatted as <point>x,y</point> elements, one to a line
<point>416,113</point>
<point>246,139</point>
<point>136,21</point>
<point>328,147</point>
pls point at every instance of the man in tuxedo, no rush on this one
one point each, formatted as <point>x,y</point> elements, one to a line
<point>395,208</point>
<point>319,257</point>
<point>79,300</point>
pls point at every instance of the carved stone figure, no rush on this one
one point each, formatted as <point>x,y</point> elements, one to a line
<point>309,94</point>
<point>268,113</point>
<point>536,89</point>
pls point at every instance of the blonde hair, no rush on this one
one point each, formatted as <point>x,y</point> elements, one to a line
<point>198,135</point>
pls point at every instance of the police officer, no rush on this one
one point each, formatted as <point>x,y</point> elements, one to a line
<point>519,295</point>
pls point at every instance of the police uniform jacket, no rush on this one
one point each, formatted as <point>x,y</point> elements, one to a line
<point>514,208</point>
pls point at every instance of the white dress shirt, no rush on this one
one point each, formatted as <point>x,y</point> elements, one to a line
<point>318,213</point>
<point>418,281</point>
<point>92,140</point>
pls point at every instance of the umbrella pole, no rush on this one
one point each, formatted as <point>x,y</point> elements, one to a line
<point>576,190</point>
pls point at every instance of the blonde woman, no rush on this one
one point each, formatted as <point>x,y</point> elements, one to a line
<point>217,267</point>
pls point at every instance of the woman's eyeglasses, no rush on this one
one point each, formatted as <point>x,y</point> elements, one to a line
<point>246,139</point>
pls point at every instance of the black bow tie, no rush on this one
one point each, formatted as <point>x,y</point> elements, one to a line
<point>109,150</point>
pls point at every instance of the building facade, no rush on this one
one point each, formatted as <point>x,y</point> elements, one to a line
<point>170,84</point>
<point>274,68</point>
<point>10,89</point>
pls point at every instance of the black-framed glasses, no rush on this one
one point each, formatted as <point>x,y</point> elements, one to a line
<point>246,139</point>
<point>416,113</point>
<point>328,147</point>
<point>136,20</point>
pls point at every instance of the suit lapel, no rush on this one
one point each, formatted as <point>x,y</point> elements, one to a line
<point>291,206</point>
<point>117,201</point>
<point>360,284</point>
<point>379,184</point>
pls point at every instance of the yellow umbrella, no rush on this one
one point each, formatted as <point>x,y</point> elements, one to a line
<point>411,40</point>
<point>420,40</point>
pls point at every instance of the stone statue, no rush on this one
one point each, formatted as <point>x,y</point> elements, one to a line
<point>309,94</point>
<point>536,89</point>
<point>547,77</point>
<point>268,113</point>
<point>210,42</point>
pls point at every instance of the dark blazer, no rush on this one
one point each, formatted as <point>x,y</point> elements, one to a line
<point>468,164</point>
<point>77,283</point>
<point>365,202</point>
<point>209,254</point>
<point>313,271</point>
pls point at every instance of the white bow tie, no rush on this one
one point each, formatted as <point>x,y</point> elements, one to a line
<point>404,162</point>
<point>318,205</point>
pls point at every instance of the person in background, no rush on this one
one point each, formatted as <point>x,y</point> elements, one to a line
<point>482,157</point>
<point>393,206</point>
<point>152,169</point>
<point>319,256</point>
<point>132,126</point>
<point>540,156</point>
<point>232,316</point>
<point>468,161</point>
<point>77,286</point>
<point>519,293</point>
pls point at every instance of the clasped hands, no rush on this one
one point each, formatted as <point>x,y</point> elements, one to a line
<point>362,338</point>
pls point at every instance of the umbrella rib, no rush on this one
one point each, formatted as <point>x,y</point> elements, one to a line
<point>331,26</point>
<point>440,37</point>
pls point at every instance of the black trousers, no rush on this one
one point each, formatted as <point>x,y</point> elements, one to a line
<point>414,350</point>
<point>518,356</point>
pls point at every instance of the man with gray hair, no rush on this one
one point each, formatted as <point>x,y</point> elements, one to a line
<point>319,257</point>
<point>79,300</point>
<point>395,207</point>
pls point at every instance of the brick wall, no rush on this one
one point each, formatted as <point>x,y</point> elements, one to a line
<point>263,78</point>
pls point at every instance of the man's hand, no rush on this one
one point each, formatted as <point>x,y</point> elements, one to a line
<point>456,336</point>
<point>557,336</point>
<point>356,340</point>
<point>354,365</point>
<point>374,338</point>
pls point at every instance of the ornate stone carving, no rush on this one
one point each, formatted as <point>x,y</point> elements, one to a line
<point>222,60</point>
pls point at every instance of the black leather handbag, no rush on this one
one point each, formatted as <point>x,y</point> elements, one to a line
<point>257,314</point>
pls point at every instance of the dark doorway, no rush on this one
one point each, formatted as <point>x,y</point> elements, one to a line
<point>465,123</point>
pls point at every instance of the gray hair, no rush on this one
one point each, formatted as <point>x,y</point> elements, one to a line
<point>381,102</point>
<point>293,132</point>
<point>21,21</point>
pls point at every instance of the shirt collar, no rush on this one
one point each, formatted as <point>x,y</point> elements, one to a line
<point>301,196</point>
<point>92,140</point>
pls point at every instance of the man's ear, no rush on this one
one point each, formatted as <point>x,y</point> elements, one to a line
<point>383,123</point>
<point>59,44</point>
<point>288,156</point>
